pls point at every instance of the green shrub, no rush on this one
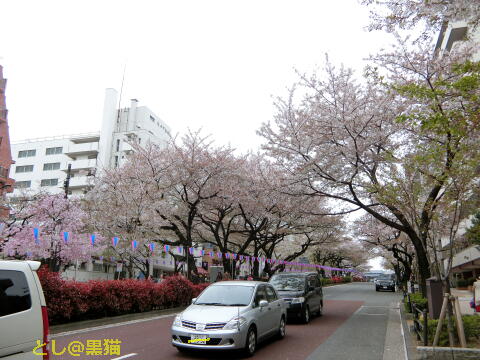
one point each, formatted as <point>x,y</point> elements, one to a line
<point>471,326</point>
<point>419,301</point>
<point>326,281</point>
<point>347,279</point>
<point>432,327</point>
<point>462,283</point>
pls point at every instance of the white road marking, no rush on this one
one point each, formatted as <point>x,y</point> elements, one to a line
<point>124,356</point>
<point>373,314</point>
<point>67,333</point>
<point>403,334</point>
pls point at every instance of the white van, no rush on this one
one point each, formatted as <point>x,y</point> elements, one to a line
<point>23,311</point>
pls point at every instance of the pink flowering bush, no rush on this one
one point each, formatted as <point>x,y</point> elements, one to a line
<point>69,300</point>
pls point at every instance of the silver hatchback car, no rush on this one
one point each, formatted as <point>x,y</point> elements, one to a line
<point>230,315</point>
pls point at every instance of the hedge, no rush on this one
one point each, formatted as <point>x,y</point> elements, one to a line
<point>418,300</point>
<point>471,326</point>
<point>69,300</point>
<point>336,280</point>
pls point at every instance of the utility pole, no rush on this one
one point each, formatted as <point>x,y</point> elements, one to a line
<point>66,183</point>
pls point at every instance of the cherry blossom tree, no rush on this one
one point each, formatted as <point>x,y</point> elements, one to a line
<point>52,229</point>
<point>389,243</point>
<point>389,144</point>
<point>159,191</point>
<point>393,14</point>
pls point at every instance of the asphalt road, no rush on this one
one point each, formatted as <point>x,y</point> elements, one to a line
<point>354,326</point>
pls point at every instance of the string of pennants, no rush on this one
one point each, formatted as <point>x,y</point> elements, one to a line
<point>213,254</point>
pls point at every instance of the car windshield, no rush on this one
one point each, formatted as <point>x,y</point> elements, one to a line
<point>384,277</point>
<point>288,282</point>
<point>226,295</point>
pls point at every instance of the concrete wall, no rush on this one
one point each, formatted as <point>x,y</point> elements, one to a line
<point>447,353</point>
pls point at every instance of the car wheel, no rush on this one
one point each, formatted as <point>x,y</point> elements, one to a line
<point>376,289</point>
<point>320,309</point>
<point>251,344</point>
<point>281,328</point>
<point>306,315</point>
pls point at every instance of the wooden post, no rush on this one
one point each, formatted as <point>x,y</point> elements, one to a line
<point>425,327</point>
<point>458,319</point>
<point>441,318</point>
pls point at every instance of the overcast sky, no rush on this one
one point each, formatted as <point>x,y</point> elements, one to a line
<point>197,64</point>
<point>209,64</point>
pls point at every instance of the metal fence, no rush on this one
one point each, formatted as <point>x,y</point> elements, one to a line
<point>420,324</point>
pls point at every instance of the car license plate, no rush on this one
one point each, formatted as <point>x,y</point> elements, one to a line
<point>385,287</point>
<point>198,339</point>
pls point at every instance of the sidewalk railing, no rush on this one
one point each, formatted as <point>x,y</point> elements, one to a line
<point>420,324</point>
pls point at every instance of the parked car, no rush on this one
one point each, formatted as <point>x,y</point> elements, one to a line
<point>230,315</point>
<point>385,282</point>
<point>302,292</point>
<point>23,311</point>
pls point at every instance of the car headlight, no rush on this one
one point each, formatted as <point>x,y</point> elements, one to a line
<point>235,323</point>
<point>177,321</point>
<point>298,300</point>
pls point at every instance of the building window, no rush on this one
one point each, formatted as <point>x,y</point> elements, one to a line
<point>152,118</point>
<point>92,157</point>
<point>22,184</point>
<point>116,161</point>
<point>53,150</point>
<point>26,153</point>
<point>49,182</point>
<point>118,145</point>
<point>51,166</point>
<point>24,169</point>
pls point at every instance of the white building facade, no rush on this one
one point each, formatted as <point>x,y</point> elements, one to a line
<point>466,261</point>
<point>42,164</point>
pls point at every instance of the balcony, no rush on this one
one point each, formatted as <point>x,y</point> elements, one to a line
<point>85,138</point>
<point>84,164</point>
<point>89,148</point>
<point>79,182</point>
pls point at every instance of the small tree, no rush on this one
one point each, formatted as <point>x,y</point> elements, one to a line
<point>62,236</point>
<point>473,232</point>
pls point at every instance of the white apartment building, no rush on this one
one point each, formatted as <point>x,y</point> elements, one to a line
<point>454,32</point>
<point>465,261</point>
<point>41,164</point>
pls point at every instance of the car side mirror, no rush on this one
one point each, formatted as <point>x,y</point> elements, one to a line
<point>263,303</point>
<point>193,300</point>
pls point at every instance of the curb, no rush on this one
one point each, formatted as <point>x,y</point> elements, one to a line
<point>410,342</point>
<point>88,325</point>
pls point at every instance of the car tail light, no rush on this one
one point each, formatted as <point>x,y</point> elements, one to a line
<point>46,339</point>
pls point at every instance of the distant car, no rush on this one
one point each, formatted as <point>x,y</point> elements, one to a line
<point>385,282</point>
<point>23,311</point>
<point>302,292</point>
<point>230,315</point>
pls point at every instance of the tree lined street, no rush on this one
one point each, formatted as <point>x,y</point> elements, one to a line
<point>354,326</point>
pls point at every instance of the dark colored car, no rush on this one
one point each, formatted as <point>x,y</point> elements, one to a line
<point>385,282</point>
<point>302,292</point>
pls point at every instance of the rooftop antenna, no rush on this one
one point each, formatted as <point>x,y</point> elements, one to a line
<point>121,91</point>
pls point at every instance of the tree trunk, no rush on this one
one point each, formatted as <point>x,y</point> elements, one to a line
<point>422,261</point>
